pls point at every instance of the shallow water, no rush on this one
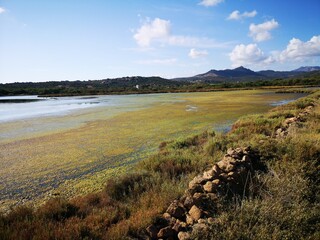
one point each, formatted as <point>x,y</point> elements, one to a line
<point>74,144</point>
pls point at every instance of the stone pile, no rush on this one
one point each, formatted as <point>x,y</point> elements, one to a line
<point>291,123</point>
<point>198,206</point>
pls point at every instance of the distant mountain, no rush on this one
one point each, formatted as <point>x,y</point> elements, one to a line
<point>307,69</point>
<point>242,74</point>
<point>277,74</point>
<point>229,73</point>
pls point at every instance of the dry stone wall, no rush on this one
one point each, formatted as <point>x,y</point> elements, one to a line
<point>198,206</point>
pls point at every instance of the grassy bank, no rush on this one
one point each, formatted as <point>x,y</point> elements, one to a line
<point>283,205</point>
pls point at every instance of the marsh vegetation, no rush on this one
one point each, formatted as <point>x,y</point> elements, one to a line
<point>283,205</point>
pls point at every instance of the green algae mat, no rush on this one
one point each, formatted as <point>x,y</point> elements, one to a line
<point>75,153</point>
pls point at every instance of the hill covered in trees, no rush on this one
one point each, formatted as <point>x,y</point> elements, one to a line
<point>210,81</point>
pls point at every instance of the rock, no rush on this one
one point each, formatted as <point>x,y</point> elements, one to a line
<point>183,236</point>
<point>152,231</point>
<point>216,182</point>
<point>212,196</point>
<point>198,198</point>
<point>166,216</point>
<point>232,174</point>
<point>223,176</point>
<point>195,188</point>
<point>246,158</point>
<point>280,132</point>
<point>195,213</point>
<point>179,226</point>
<point>225,166</point>
<point>209,187</point>
<point>189,220</point>
<point>288,121</point>
<point>197,180</point>
<point>231,151</point>
<point>176,210</point>
<point>166,232</point>
<point>216,169</point>
<point>188,203</point>
<point>209,175</point>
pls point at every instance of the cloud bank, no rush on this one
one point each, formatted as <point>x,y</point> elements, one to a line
<point>299,50</point>
<point>296,50</point>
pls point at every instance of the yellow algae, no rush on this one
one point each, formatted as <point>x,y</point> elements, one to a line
<point>79,158</point>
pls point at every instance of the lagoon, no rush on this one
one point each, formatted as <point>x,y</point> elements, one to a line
<point>71,146</point>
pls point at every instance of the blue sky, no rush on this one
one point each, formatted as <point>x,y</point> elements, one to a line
<point>81,40</point>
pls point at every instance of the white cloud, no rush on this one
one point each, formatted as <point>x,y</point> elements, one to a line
<point>299,50</point>
<point>209,3</point>
<point>236,15</point>
<point>159,31</point>
<point>154,30</point>
<point>261,32</point>
<point>158,61</point>
<point>2,10</point>
<point>296,50</point>
<point>248,54</point>
<point>197,53</point>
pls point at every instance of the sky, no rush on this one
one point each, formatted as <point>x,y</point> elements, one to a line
<point>96,39</point>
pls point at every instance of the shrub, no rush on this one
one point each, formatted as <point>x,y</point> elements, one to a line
<point>57,209</point>
<point>130,185</point>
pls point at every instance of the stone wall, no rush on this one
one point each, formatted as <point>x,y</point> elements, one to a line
<point>198,206</point>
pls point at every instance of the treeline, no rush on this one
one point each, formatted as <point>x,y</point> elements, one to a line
<point>90,87</point>
<point>138,85</point>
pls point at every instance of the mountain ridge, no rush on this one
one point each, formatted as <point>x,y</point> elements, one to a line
<point>241,74</point>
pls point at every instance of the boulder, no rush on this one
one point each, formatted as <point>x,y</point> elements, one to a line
<point>226,166</point>
<point>194,189</point>
<point>189,220</point>
<point>195,213</point>
<point>183,236</point>
<point>197,180</point>
<point>216,182</point>
<point>209,175</point>
<point>188,203</point>
<point>176,209</point>
<point>209,187</point>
